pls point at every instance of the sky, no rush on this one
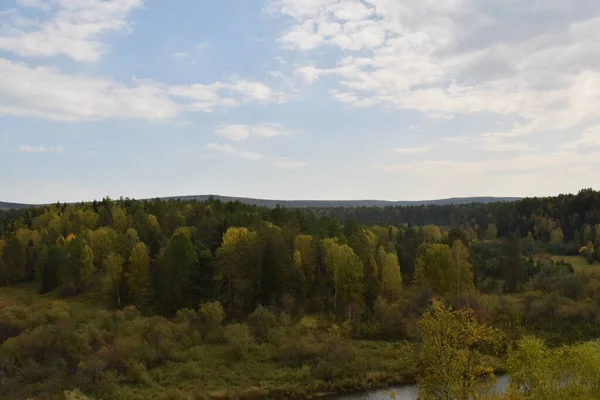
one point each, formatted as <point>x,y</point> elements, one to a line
<point>298,99</point>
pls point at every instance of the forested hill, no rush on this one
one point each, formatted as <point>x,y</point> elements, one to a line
<point>347,203</point>
<point>13,206</point>
<point>314,203</point>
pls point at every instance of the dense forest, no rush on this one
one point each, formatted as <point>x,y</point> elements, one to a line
<point>126,288</point>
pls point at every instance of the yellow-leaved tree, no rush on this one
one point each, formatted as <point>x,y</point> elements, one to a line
<point>450,352</point>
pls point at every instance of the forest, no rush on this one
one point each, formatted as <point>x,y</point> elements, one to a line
<point>186,299</point>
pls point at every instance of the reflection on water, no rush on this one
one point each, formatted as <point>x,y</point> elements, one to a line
<point>408,392</point>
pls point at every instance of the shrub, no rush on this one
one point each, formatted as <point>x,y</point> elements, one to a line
<point>239,339</point>
<point>261,321</point>
<point>211,317</point>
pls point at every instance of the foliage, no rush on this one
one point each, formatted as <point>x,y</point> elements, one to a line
<point>450,352</point>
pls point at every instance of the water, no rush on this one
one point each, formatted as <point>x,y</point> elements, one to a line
<point>406,392</point>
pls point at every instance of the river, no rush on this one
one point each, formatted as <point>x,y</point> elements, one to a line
<point>405,392</point>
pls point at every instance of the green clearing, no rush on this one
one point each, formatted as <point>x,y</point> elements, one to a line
<point>579,264</point>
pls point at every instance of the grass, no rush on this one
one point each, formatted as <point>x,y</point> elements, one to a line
<point>579,264</point>
<point>212,375</point>
<point>208,371</point>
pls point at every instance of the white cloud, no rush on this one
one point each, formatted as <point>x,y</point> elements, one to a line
<point>41,149</point>
<point>234,132</point>
<point>201,46</point>
<point>229,149</point>
<point>285,163</point>
<point>238,132</point>
<point>180,55</point>
<point>458,57</point>
<point>302,37</point>
<point>413,150</point>
<point>309,73</point>
<point>73,28</point>
<point>43,5</point>
<point>590,139</point>
<point>496,145</point>
<point>559,161</point>
<point>46,92</point>
<point>270,130</point>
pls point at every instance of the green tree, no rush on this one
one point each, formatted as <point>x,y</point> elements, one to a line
<point>178,263</point>
<point>14,261</point>
<point>491,232</point>
<point>391,276</point>
<point>588,234</point>
<point>238,269</point>
<point>462,269</point>
<point>529,243</point>
<point>113,275</point>
<point>305,257</point>
<point>211,316</point>
<point>50,279</point>
<point>137,275</point>
<point>347,272</point>
<point>435,268</point>
<point>513,265</point>
<point>79,263</point>
<point>432,233</point>
<point>103,241</point>
<point>542,373</point>
<point>450,352</point>
<point>556,236</point>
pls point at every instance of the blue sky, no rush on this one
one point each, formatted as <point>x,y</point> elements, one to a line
<point>298,99</point>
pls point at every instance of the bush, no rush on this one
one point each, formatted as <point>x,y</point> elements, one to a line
<point>239,339</point>
<point>306,342</point>
<point>261,321</point>
<point>211,317</point>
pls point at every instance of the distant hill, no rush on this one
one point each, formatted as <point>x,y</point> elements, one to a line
<point>346,203</point>
<point>315,203</point>
<point>12,206</point>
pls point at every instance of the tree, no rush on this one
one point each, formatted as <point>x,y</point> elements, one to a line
<point>14,261</point>
<point>103,241</point>
<point>587,251</point>
<point>435,268</point>
<point>113,274</point>
<point>588,234</point>
<point>556,236</point>
<point>513,265</point>
<point>450,353</point>
<point>137,275</point>
<point>529,243</point>
<point>347,272</point>
<point>79,264</point>
<point>211,316</point>
<point>50,279</point>
<point>391,276</point>
<point>463,270</point>
<point>305,257</point>
<point>3,268</point>
<point>432,233</point>
<point>542,373</point>
<point>120,220</point>
<point>491,232</point>
<point>178,263</point>
<point>238,269</point>
<point>458,234</point>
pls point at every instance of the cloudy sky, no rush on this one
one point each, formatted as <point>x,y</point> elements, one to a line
<point>298,99</point>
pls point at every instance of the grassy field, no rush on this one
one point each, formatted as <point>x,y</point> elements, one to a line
<point>579,263</point>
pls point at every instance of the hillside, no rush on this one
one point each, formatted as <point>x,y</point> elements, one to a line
<point>317,203</point>
<point>12,206</point>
